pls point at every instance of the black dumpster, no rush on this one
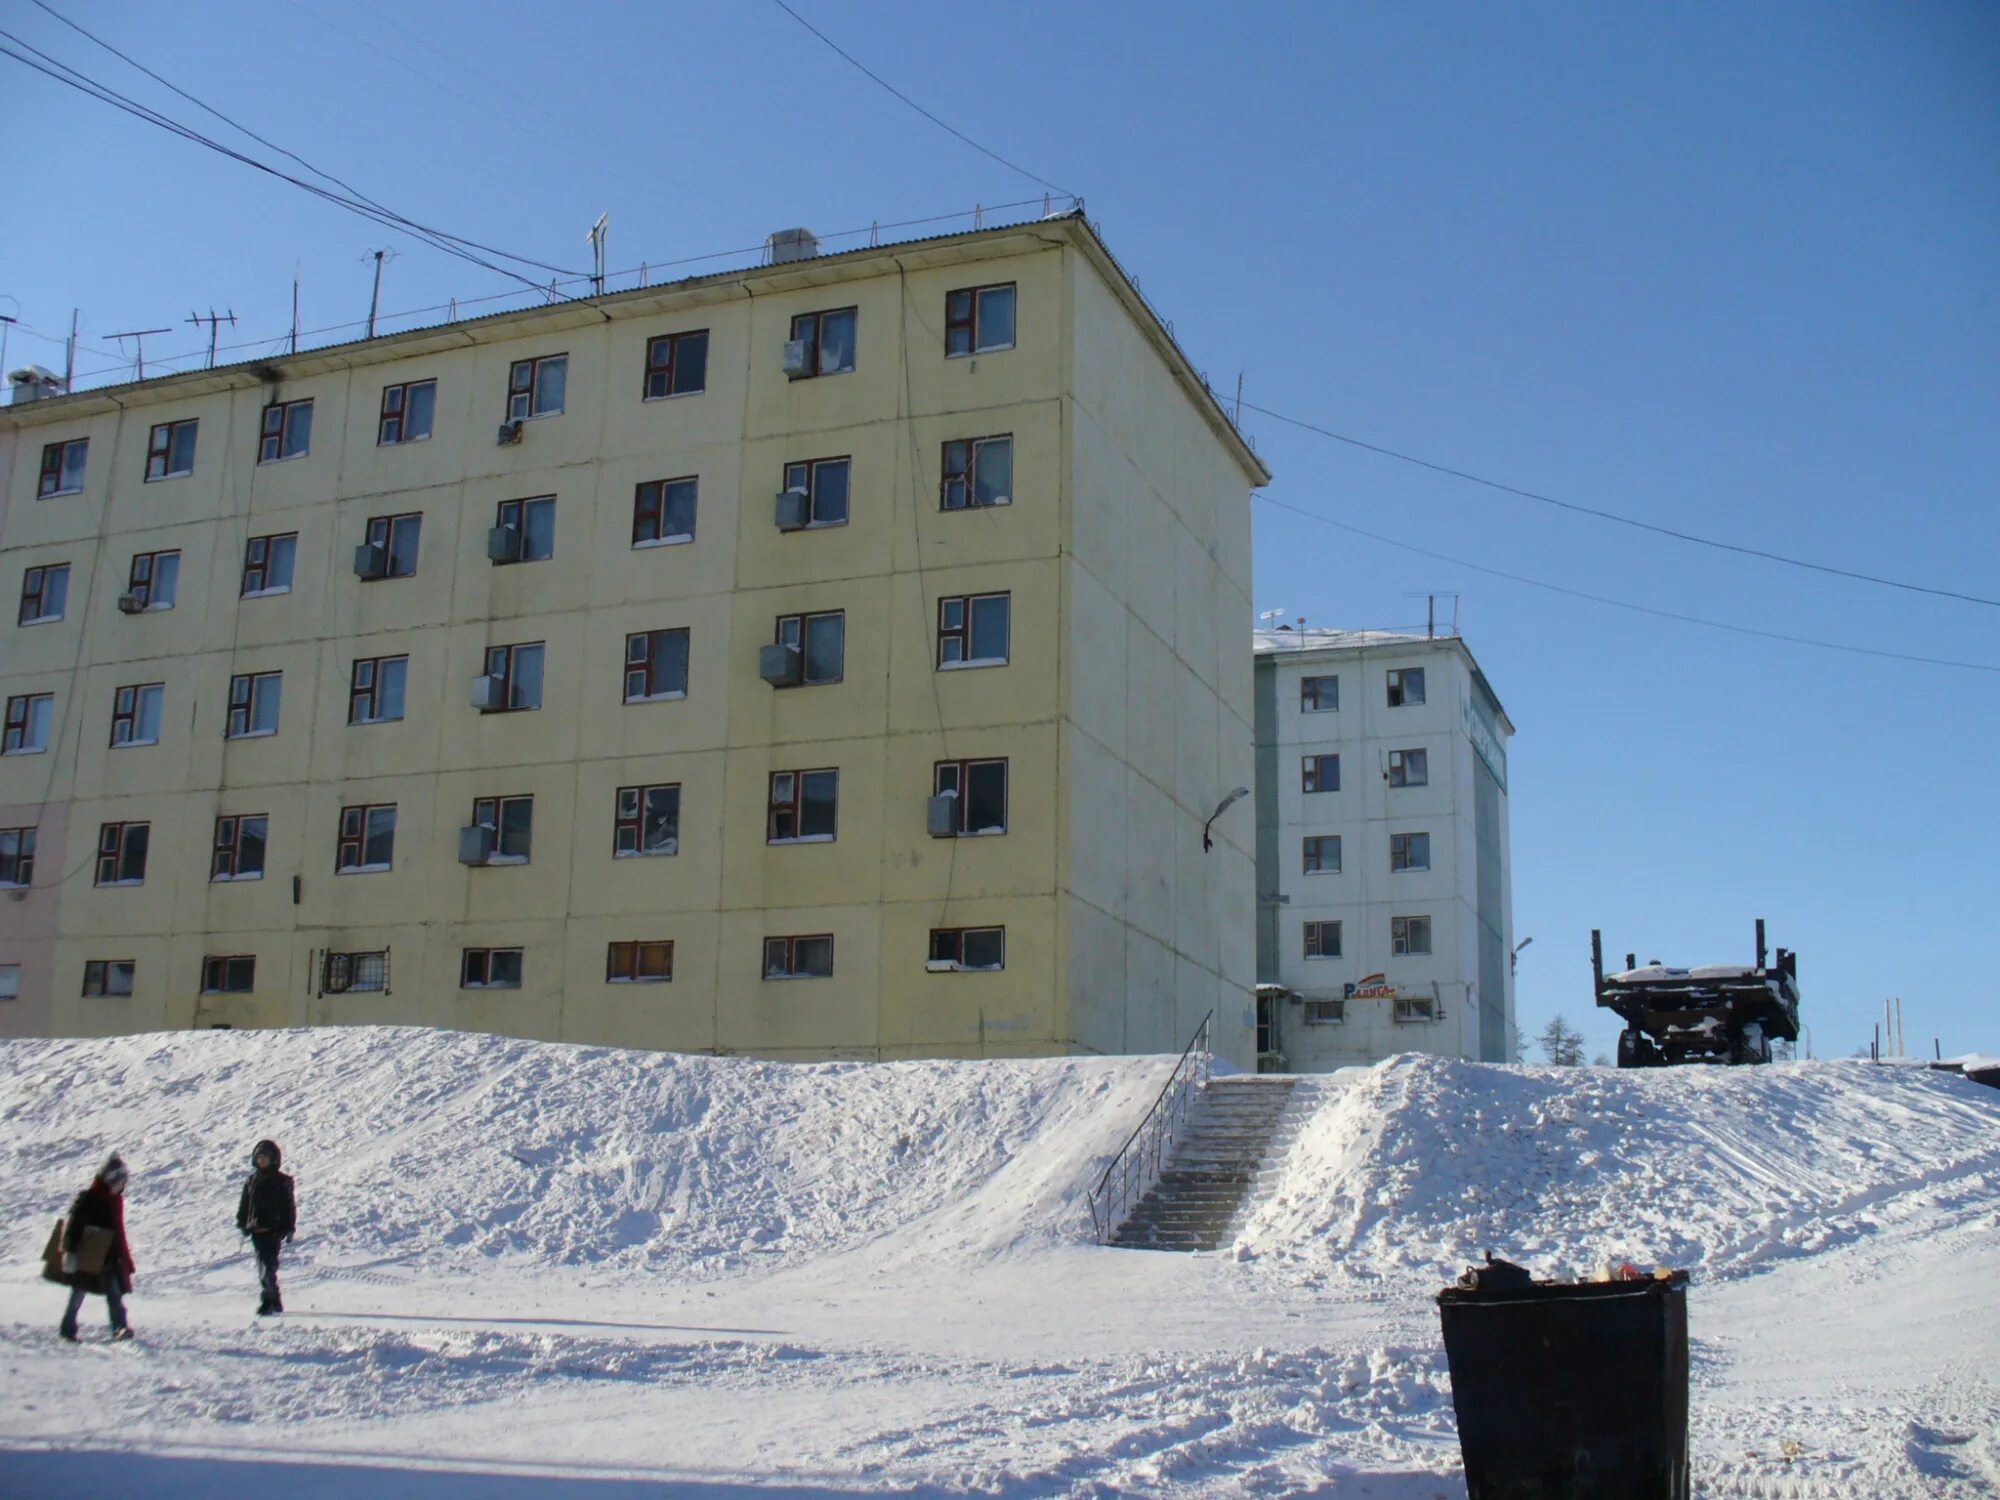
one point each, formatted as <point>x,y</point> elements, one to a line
<point>1569,1392</point>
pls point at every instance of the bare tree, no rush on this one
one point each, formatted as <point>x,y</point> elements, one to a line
<point>1561,1043</point>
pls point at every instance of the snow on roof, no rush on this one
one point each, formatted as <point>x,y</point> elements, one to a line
<point>1290,639</point>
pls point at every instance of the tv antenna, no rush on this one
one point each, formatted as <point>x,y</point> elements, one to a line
<point>375,297</point>
<point>596,237</point>
<point>214,328</point>
<point>138,337</point>
<point>1431,608</point>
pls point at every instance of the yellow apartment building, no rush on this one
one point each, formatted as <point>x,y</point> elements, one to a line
<point>835,658</point>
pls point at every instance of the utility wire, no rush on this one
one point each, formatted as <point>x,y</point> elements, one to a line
<point>961,135</point>
<point>292,155</point>
<point>1614,517</point>
<point>1644,609</point>
<point>83,84</point>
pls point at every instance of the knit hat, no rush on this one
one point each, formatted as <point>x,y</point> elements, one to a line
<point>113,1171</point>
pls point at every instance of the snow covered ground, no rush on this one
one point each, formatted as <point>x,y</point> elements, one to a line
<point>542,1271</point>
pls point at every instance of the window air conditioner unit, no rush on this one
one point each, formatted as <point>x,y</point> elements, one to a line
<point>941,815</point>
<point>488,694</point>
<point>131,604</point>
<point>371,561</point>
<point>794,510</point>
<point>798,359</point>
<point>503,544</point>
<point>475,844</point>
<point>510,433</point>
<point>781,666</point>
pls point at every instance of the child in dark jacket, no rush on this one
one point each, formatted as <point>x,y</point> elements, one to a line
<point>268,1215</point>
<point>99,1206</point>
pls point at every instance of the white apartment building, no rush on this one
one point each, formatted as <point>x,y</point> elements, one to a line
<point>1385,902</point>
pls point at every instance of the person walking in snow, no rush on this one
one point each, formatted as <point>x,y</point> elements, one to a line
<point>267,1214</point>
<point>99,1206</point>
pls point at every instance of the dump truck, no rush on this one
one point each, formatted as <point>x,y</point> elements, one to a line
<point>1722,1013</point>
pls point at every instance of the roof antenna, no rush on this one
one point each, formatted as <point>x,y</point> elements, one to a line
<point>375,298</point>
<point>214,328</point>
<point>598,231</point>
<point>138,337</point>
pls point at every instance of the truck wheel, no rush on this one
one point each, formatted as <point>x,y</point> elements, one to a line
<point>1631,1049</point>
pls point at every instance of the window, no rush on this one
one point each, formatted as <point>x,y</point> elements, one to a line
<point>108,976</point>
<point>1322,939</point>
<point>1409,768</point>
<point>1409,851</point>
<point>829,342</point>
<point>820,640</point>
<point>1319,695</point>
<point>978,789</point>
<point>367,839</point>
<point>803,807</point>
<point>121,853</point>
<point>44,594</point>
<point>963,948</point>
<point>267,564</point>
<point>1416,1008</point>
<point>979,318</point>
<point>286,431</point>
<point>28,719</point>
<point>656,665</point>
<point>406,413</point>
<point>1320,773</point>
<point>170,450</point>
<point>1406,687</point>
<point>1324,1012</point>
<point>663,512</point>
<point>647,821</point>
<point>135,714</point>
<point>1409,936</point>
<point>239,847</point>
<point>62,468</point>
<point>375,695</point>
<point>535,523</point>
<point>156,579</point>
<point>977,472</point>
<point>235,975</point>
<point>17,857</point>
<point>824,482</point>
<point>10,981</point>
<point>490,969</point>
<point>518,670</point>
<point>972,631</point>
<point>1322,852</point>
<point>676,364</point>
<point>512,820</point>
<point>253,704</point>
<point>535,387</point>
<point>397,536</point>
<point>341,973</point>
<point>799,957</point>
<point>638,963</point>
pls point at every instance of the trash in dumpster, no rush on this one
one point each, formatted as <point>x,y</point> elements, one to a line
<point>1569,1390</point>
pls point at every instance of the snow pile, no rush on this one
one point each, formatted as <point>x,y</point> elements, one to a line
<point>1421,1165</point>
<point>451,1151</point>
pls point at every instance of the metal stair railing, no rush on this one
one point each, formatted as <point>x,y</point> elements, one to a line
<point>1137,1165</point>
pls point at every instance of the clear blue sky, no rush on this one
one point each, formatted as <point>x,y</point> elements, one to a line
<point>1731,269</point>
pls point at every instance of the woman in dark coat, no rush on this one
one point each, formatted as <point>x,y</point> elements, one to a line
<point>99,1206</point>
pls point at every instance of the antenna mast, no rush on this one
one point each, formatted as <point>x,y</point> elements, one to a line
<point>375,297</point>
<point>138,337</point>
<point>214,328</point>
<point>596,237</point>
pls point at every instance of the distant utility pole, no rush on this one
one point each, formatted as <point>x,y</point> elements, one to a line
<point>69,353</point>
<point>214,328</point>
<point>295,307</point>
<point>138,337</point>
<point>596,237</point>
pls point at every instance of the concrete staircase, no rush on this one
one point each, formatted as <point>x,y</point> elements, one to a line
<point>1235,1136</point>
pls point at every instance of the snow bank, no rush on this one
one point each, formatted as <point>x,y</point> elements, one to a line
<point>1420,1165</point>
<point>431,1151</point>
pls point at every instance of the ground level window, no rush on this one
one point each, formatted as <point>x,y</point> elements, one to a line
<point>490,969</point>
<point>342,973</point>
<point>639,963</point>
<point>235,975</point>
<point>968,948</point>
<point>799,957</point>
<point>108,976</point>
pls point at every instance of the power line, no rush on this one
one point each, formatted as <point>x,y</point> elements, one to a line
<point>1644,609</point>
<point>961,135</point>
<point>1615,518</point>
<point>86,85</point>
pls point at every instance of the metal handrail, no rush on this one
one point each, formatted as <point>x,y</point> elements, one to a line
<point>1146,1145</point>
